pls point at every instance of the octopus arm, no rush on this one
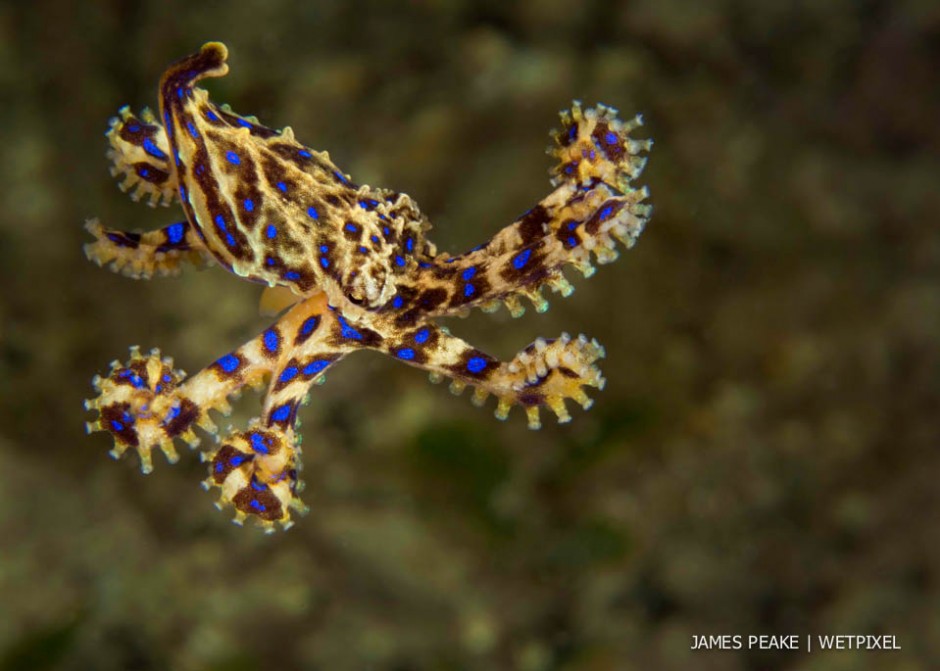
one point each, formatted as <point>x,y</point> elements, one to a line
<point>143,255</point>
<point>543,375</point>
<point>593,206</point>
<point>140,157</point>
<point>145,404</point>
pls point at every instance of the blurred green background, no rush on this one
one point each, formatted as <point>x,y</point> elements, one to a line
<point>763,460</point>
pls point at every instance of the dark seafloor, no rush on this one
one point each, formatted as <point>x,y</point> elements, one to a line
<point>765,457</point>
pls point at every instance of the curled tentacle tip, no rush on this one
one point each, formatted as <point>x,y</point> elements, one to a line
<point>593,144</point>
<point>549,371</point>
<point>217,48</point>
<point>136,404</point>
<point>256,472</point>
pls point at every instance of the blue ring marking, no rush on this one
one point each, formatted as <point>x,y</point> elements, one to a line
<point>173,414</point>
<point>348,331</point>
<point>405,353</point>
<point>257,505</point>
<point>468,274</point>
<point>521,259</point>
<point>258,487</point>
<point>212,116</point>
<point>374,238</point>
<point>243,123</point>
<point>151,148</point>
<point>399,261</point>
<point>144,173</point>
<point>229,363</point>
<point>386,231</point>
<point>351,227</point>
<point>292,275</point>
<point>249,204</point>
<point>570,168</point>
<point>269,261</point>
<point>410,244</point>
<point>176,155</point>
<point>363,250</point>
<point>258,444</point>
<point>229,240</point>
<point>340,177</point>
<point>175,232</point>
<point>220,221</point>
<point>309,325</point>
<point>324,248</point>
<point>315,367</point>
<point>235,461</point>
<point>233,158</point>
<point>271,231</point>
<point>572,132</point>
<point>469,290</point>
<point>325,262</point>
<point>281,414</point>
<point>282,186</point>
<point>134,127</point>
<point>134,378</point>
<point>397,302</point>
<point>573,225</point>
<point>116,425</point>
<point>424,264</point>
<point>572,241</point>
<point>476,364</point>
<point>183,194</point>
<point>288,374</point>
<point>305,153</point>
<point>611,137</point>
<point>272,340</point>
<point>605,213</point>
<point>312,212</point>
<point>422,336</point>
<point>192,130</point>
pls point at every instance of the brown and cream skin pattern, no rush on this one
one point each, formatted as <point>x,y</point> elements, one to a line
<point>351,268</point>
